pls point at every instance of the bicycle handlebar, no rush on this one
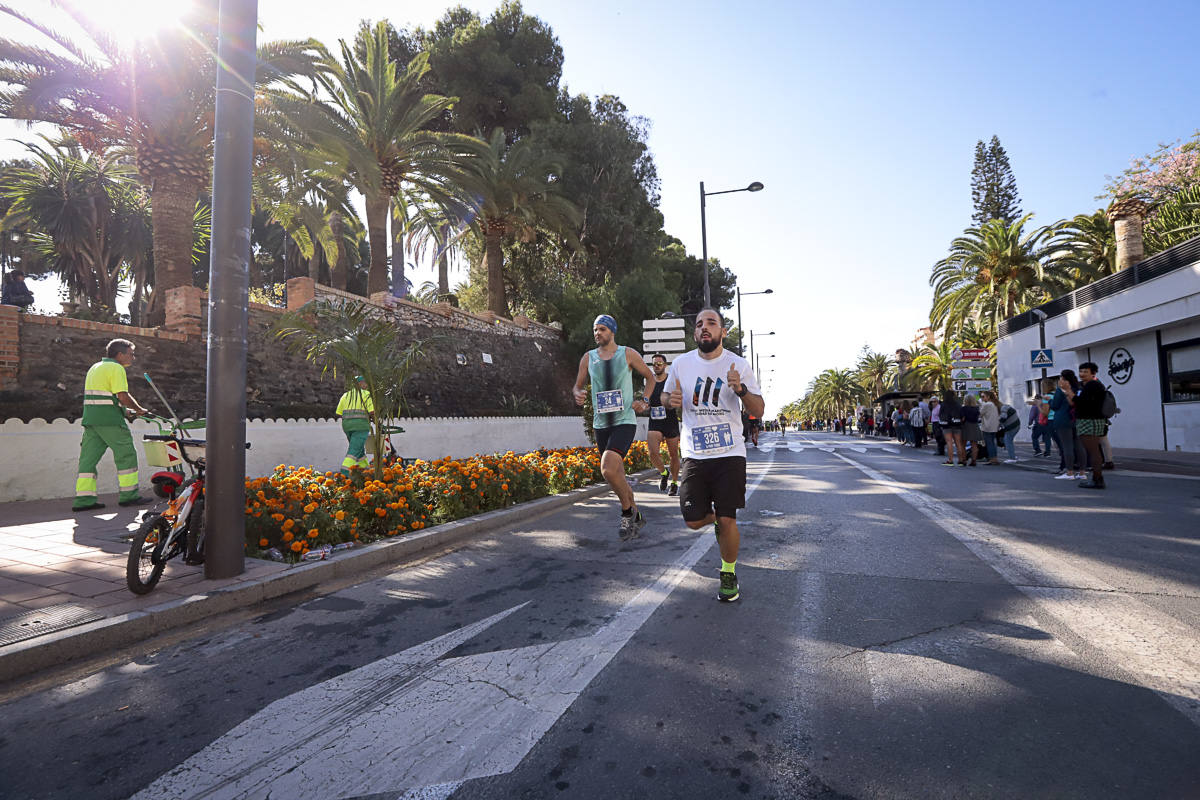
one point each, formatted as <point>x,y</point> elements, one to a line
<point>162,437</point>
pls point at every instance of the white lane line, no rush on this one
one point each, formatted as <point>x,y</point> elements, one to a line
<point>1161,652</point>
<point>414,723</point>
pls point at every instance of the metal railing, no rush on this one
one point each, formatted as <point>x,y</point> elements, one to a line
<point>1181,255</point>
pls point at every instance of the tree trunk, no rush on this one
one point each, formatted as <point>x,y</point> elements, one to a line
<point>377,210</point>
<point>443,264</point>
<point>338,272</point>
<point>172,206</point>
<point>314,264</point>
<point>399,287</point>
<point>494,254</point>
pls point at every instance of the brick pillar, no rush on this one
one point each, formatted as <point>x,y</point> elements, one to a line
<point>185,310</point>
<point>300,291</point>
<point>10,346</point>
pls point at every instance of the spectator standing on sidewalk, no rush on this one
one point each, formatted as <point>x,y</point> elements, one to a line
<point>935,422</point>
<point>972,435</point>
<point>922,434</point>
<point>1063,425</point>
<point>1090,422</point>
<point>989,423</point>
<point>1038,427</point>
<point>916,423</point>
<point>951,414</point>
<point>1010,423</point>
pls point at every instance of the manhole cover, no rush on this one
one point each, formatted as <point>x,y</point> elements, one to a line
<point>44,620</point>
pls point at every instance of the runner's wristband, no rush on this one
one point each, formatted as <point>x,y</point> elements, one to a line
<point>744,391</point>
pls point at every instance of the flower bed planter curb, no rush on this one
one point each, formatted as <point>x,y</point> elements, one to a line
<point>53,649</point>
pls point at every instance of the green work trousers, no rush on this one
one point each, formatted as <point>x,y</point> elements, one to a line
<point>98,439</point>
<point>356,450</point>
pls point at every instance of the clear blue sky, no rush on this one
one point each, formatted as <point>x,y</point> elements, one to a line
<point>861,119</point>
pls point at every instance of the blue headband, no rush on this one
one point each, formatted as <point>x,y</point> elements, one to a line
<point>606,321</point>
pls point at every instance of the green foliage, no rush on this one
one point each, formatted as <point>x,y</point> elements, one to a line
<point>993,272</point>
<point>84,216</point>
<point>349,338</point>
<point>1175,221</point>
<point>1088,248</point>
<point>993,187</point>
<point>504,72</point>
<point>875,372</point>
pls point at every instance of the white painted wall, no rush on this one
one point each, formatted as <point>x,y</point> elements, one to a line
<point>38,459</point>
<point>1140,423</point>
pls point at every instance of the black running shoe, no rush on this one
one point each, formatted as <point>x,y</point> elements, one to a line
<point>662,483</point>
<point>729,588</point>
<point>674,490</point>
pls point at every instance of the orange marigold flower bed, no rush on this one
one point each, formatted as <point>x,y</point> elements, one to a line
<point>332,508</point>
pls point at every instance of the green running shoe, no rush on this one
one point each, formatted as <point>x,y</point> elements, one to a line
<point>674,490</point>
<point>662,483</point>
<point>729,588</point>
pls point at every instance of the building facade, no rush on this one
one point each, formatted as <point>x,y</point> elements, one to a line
<point>1141,326</point>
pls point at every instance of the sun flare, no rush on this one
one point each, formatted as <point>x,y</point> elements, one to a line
<point>128,21</point>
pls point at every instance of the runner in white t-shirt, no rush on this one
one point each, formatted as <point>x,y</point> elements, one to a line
<point>711,385</point>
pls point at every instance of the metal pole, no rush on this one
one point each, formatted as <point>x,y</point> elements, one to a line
<point>751,347</point>
<point>757,372</point>
<point>741,331</point>
<point>1042,345</point>
<point>228,290</point>
<point>704,248</point>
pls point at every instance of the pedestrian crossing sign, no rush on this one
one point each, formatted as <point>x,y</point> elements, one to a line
<point>1041,358</point>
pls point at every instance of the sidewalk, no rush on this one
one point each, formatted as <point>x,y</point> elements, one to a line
<point>1128,460</point>
<point>64,574</point>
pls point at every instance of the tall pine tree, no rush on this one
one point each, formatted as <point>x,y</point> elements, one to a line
<point>993,187</point>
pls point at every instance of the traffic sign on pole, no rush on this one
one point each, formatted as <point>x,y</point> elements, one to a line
<point>1043,358</point>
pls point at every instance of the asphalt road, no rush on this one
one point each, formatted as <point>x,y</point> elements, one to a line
<point>905,630</point>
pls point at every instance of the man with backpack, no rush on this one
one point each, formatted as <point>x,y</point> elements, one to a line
<point>1010,423</point>
<point>1090,422</point>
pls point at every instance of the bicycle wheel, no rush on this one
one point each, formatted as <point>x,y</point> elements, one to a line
<point>146,562</point>
<point>194,556</point>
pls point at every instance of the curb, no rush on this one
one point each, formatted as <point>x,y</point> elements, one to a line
<point>53,649</point>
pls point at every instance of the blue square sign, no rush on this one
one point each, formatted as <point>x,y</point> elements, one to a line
<point>1039,359</point>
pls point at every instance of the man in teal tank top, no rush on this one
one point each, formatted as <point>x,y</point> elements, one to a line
<point>609,370</point>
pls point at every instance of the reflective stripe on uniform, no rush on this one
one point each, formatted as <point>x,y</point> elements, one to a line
<point>127,478</point>
<point>100,401</point>
<point>348,462</point>
<point>85,484</point>
<point>354,413</point>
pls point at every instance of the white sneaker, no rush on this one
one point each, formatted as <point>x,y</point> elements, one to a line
<point>1066,476</point>
<point>1010,461</point>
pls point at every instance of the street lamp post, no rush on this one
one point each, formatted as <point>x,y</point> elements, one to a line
<point>739,293</point>
<point>756,186</point>
<point>757,371</point>
<point>752,335</point>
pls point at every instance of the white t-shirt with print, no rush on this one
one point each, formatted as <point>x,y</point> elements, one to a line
<point>711,416</point>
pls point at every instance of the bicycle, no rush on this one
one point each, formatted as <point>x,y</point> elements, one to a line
<point>390,456</point>
<point>178,529</point>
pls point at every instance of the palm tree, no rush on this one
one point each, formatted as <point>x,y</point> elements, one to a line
<point>157,99</point>
<point>1174,221</point>
<point>368,121</point>
<point>86,215</point>
<point>933,366</point>
<point>347,338</point>
<point>875,371</point>
<point>993,272</point>
<point>518,196</point>
<point>1088,248</point>
<point>837,391</point>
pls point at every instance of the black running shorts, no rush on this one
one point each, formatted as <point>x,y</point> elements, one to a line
<point>712,484</point>
<point>618,438</point>
<point>669,429</point>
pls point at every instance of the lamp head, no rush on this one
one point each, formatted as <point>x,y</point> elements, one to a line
<point>755,187</point>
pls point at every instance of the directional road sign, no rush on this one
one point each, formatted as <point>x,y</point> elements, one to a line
<point>1041,358</point>
<point>663,336</point>
<point>970,354</point>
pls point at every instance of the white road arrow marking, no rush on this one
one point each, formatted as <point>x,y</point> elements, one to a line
<point>413,724</point>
